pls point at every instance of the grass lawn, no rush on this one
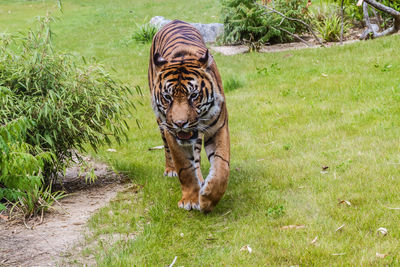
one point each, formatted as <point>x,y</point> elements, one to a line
<point>294,113</point>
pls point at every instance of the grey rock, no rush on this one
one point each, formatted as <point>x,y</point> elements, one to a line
<point>210,32</point>
<point>159,21</point>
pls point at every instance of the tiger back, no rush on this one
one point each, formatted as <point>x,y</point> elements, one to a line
<point>189,103</point>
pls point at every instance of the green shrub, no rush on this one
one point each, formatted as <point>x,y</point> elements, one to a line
<point>68,104</point>
<point>144,33</point>
<point>21,164</point>
<point>246,21</point>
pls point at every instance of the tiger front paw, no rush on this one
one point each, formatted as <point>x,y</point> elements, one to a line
<point>190,202</point>
<point>206,203</point>
<point>209,197</point>
<point>170,172</point>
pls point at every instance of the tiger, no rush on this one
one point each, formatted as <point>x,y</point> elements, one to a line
<point>189,104</point>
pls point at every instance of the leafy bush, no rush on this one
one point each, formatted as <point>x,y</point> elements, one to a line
<point>20,163</point>
<point>144,33</point>
<point>50,106</point>
<point>246,21</point>
<point>68,104</point>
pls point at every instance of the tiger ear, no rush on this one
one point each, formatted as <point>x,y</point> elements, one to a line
<point>159,61</point>
<point>206,60</point>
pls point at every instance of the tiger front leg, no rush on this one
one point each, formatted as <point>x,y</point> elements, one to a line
<point>169,164</point>
<point>218,153</point>
<point>186,164</point>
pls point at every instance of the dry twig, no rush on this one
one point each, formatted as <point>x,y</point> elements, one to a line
<point>297,20</point>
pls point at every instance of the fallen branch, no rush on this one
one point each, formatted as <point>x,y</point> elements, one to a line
<point>293,35</point>
<point>297,20</point>
<point>373,29</point>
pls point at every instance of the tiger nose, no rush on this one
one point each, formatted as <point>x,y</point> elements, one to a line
<point>180,123</point>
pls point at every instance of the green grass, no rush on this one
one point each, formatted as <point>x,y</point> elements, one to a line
<point>336,107</point>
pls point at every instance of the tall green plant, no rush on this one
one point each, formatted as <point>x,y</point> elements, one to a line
<point>21,164</point>
<point>69,103</point>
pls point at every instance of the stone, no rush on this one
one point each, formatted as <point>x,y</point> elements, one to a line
<point>210,32</point>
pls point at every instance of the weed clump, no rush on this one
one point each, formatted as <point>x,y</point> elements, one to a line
<point>232,83</point>
<point>144,33</point>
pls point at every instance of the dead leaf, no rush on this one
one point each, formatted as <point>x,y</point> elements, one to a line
<point>111,150</point>
<point>340,227</point>
<point>237,169</point>
<point>260,159</point>
<point>4,217</point>
<point>338,254</point>
<point>156,148</point>
<point>287,55</point>
<point>324,75</point>
<point>246,248</point>
<point>345,202</point>
<point>382,231</point>
<point>314,240</point>
<point>379,255</point>
<point>324,168</point>
<point>293,226</point>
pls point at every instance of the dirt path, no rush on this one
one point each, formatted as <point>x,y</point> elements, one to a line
<point>351,37</point>
<point>239,49</point>
<point>44,244</point>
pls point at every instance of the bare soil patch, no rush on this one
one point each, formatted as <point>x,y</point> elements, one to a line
<point>351,37</point>
<point>43,244</point>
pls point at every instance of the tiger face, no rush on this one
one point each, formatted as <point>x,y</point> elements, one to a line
<point>185,97</point>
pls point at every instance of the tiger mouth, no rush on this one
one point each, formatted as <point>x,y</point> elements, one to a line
<point>187,135</point>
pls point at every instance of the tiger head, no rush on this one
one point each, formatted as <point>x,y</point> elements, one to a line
<point>186,96</point>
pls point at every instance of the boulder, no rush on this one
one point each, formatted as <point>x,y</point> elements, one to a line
<point>210,32</point>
